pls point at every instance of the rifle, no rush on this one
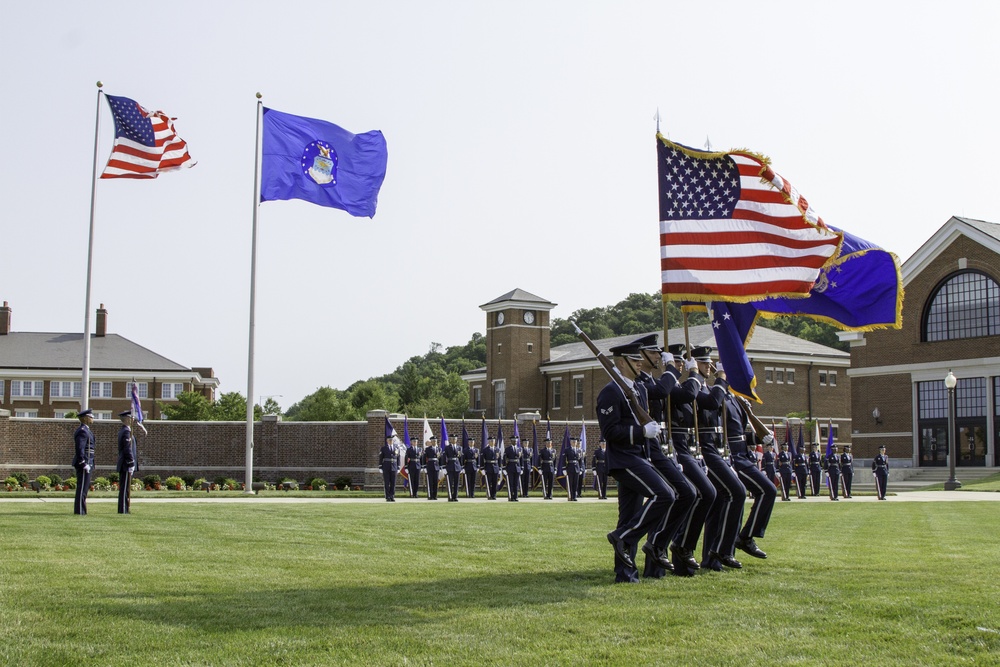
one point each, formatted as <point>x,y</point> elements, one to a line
<point>619,379</point>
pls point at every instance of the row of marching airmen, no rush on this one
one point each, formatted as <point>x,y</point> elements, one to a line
<point>672,500</point>
<point>513,467</point>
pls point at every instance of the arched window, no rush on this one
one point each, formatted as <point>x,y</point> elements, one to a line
<point>964,305</point>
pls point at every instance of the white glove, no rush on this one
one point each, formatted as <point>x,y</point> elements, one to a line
<point>651,430</point>
<point>690,365</point>
<point>131,469</point>
<point>667,359</point>
<point>86,468</point>
<point>768,439</point>
<point>718,367</point>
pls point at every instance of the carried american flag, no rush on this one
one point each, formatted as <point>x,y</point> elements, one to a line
<point>732,229</point>
<point>145,142</point>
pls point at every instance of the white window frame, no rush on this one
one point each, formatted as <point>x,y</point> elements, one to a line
<point>831,378</point>
<point>768,374</point>
<point>822,378</point>
<point>175,388</point>
<point>27,388</point>
<point>67,389</point>
<point>1,391</point>
<point>141,387</point>
<point>26,414</point>
<point>99,414</point>
<point>779,376</point>
<point>577,391</point>
<point>103,390</point>
<point>789,376</point>
<point>557,393</point>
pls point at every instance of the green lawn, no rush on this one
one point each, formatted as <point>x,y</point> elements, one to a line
<point>423,583</point>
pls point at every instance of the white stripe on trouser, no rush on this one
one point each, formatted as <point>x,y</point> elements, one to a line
<point>645,508</point>
<point>752,521</point>
<point>878,489</point>
<point>725,513</point>
<point>694,506</point>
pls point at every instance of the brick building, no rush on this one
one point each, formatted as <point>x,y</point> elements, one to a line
<point>952,322</point>
<point>41,373</point>
<point>523,374</point>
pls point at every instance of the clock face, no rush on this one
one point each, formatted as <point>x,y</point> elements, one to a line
<point>499,318</point>
<point>529,317</point>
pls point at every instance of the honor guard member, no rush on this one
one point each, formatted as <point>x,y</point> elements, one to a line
<point>547,463</point>
<point>769,463</point>
<point>489,461</point>
<point>815,469</point>
<point>880,470</point>
<point>512,469</point>
<point>681,401</point>
<point>83,459</point>
<point>600,465</point>
<point>832,464</point>
<point>801,473</point>
<point>126,462</point>
<point>744,451</point>
<point>412,461</point>
<point>470,464</point>
<point>644,498</point>
<point>785,472</point>
<point>723,521</point>
<point>388,461</point>
<point>527,454</point>
<point>581,466</point>
<point>452,469</point>
<point>847,470</point>
<point>432,465</point>
<point>573,468</point>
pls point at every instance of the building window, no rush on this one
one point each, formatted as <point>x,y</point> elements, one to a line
<point>822,378</point>
<point>790,375</point>
<point>556,394</point>
<point>824,431</point>
<point>477,398</point>
<point>26,388</point>
<point>768,374</point>
<point>59,389</point>
<point>26,414</point>
<point>578,392</point>
<point>142,389</point>
<point>779,375</point>
<point>61,414</point>
<point>1,391</point>
<point>831,378</point>
<point>965,305</point>
<point>100,390</point>
<point>103,415</point>
<point>500,398</point>
<point>531,346</point>
<point>171,390</point>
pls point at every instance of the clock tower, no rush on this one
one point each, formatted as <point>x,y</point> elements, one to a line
<point>517,343</point>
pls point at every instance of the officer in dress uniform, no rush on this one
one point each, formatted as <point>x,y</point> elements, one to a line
<point>815,469</point>
<point>801,473</point>
<point>431,461</point>
<point>126,462</point>
<point>832,465</point>
<point>412,462</point>
<point>880,470</point>
<point>644,497</point>
<point>723,521</point>
<point>527,454</point>
<point>452,468</point>
<point>388,461</point>
<point>573,467</point>
<point>512,468</point>
<point>847,470</point>
<point>83,459</point>
<point>470,464</point>
<point>678,409</point>
<point>769,464</point>
<point>489,462</point>
<point>581,466</point>
<point>744,451</point>
<point>785,472</point>
<point>547,462</point>
<point>600,465</point>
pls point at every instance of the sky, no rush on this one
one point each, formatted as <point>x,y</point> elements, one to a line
<point>521,140</point>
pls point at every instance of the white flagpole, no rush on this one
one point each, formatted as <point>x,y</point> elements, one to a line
<point>85,388</point>
<point>248,488</point>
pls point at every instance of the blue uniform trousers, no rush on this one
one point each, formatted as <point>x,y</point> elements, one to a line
<point>644,498</point>
<point>723,521</point>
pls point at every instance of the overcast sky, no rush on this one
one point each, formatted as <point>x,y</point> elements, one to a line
<point>521,154</point>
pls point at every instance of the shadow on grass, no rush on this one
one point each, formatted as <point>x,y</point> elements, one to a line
<point>362,605</point>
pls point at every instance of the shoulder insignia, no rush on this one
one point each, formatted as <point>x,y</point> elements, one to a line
<point>606,411</point>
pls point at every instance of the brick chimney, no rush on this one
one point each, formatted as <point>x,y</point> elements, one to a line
<point>102,322</point>
<point>4,319</point>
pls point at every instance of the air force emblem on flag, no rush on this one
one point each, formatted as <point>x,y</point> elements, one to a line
<point>319,162</point>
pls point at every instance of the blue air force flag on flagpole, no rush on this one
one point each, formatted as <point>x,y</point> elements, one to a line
<point>319,162</point>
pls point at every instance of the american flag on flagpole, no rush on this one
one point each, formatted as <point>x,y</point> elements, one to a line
<point>732,229</point>
<point>145,142</point>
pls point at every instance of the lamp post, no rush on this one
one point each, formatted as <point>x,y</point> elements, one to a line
<point>950,381</point>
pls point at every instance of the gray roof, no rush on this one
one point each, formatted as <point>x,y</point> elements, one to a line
<point>64,351</point>
<point>518,295</point>
<point>990,228</point>
<point>763,341</point>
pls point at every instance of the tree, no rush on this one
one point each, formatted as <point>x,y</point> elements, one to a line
<point>190,406</point>
<point>324,404</point>
<point>271,407</point>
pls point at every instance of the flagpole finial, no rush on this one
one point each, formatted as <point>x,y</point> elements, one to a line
<point>100,84</point>
<point>259,96</point>
<point>657,118</point>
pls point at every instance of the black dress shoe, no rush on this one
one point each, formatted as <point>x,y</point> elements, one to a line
<point>750,547</point>
<point>712,563</point>
<point>684,558</point>
<point>621,550</point>
<point>731,562</point>
<point>659,555</point>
